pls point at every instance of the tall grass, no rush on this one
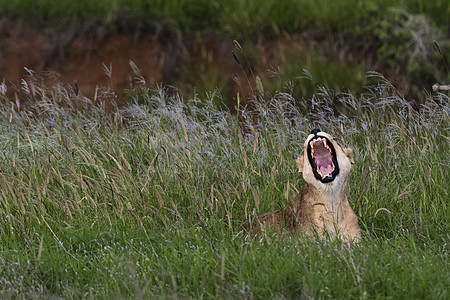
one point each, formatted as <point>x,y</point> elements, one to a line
<point>147,200</point>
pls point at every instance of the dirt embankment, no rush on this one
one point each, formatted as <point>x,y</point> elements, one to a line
<point>93,56</point>
<point>99,56</point>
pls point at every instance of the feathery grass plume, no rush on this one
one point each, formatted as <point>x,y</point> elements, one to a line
<point>139,77</point>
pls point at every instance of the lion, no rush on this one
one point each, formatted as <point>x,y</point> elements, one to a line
<point>321,207</point>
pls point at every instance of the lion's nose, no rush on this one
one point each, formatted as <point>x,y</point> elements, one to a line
<point>315,131</point>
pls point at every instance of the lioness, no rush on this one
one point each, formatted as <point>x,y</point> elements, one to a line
<point>322,206</point>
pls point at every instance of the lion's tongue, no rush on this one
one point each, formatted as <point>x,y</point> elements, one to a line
<point>325,171</point>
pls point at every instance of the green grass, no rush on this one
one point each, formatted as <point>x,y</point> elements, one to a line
<point>147,201</point>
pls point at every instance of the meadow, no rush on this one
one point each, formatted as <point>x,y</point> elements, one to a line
<point>146,201</point>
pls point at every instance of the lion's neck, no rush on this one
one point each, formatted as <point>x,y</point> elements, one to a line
<point>333,198</point>
<point>334,204</point>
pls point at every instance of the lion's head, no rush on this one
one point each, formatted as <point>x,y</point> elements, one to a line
<point>324,163</point>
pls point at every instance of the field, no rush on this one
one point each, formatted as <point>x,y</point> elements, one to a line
<point>146,201</point>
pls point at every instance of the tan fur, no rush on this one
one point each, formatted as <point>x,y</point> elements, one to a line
<point>320,208</point>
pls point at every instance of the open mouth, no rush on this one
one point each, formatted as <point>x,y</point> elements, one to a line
<point>322,157</point>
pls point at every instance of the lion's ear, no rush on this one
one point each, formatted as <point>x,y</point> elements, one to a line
<point>300,164</point>
<point>349,153</point>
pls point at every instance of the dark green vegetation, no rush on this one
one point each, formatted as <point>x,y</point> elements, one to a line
<point>245,17</point>
<point>147,201</point>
